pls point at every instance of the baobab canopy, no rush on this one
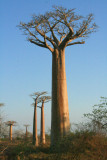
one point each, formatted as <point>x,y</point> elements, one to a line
<point>58,28</point>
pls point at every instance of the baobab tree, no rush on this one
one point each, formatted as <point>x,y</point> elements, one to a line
<point>10,124</point>
<point>43,99</point>
<point>56,30</point>
<point>35,96</point>
<point>26,126</point>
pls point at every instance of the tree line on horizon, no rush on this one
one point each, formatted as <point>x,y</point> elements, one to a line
<point>38,97</point>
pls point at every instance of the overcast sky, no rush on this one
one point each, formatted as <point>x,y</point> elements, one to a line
<point>26,68</point>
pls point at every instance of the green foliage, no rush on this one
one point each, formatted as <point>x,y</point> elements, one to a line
<point>98,117</point>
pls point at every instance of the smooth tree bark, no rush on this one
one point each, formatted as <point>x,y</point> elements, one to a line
<point>42,130</point>
<point>60,113</point>
<point>35,136</point>
<point>56,30</point>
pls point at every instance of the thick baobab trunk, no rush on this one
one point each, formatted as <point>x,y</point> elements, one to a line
<point>11,132</point>
<point>60,113</point>
<point>35,136</point>
<point>42,133</point>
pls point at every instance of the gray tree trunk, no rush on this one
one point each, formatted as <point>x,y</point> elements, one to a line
<point>60,113</point>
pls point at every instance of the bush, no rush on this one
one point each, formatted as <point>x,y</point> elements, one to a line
<point>84,145</point>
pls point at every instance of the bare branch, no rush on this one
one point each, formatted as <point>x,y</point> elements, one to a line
<point>51,29</point>
<point>26,125</point>
<point>47,46</point>
<point>8,123</point>
<point>66,40</point>
<point>44,36</point>
<point>82,42</point>
<point>38,44</point>
<point>58,28</point>
<point>36,95</point>
<point>44,99</point>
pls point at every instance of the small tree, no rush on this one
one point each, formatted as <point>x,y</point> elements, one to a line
<point>43,99</point>
<point>98,117</point>
<point>56,30</point>
<point>35,96</point>
<point>10,124</point>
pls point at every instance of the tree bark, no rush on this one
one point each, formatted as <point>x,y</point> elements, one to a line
<point>60,113</point>
<point>42,134</point>
<point>35,136</point>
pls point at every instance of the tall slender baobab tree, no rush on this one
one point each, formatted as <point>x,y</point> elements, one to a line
<point>26,126</point>
<point>35,96</point>
<point>10,124</point>
<point>56,30</point>
<point>43,99</point>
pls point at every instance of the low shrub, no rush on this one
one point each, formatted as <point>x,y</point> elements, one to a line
<point>83,144</point>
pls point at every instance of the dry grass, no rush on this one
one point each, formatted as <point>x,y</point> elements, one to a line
<point>77,146</point>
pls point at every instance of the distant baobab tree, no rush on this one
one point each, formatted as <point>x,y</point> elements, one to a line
<point>35,96</point>
<point>56,30</point>
<point>43,99</point>
<point>26,125</point>
<point>10,124</point>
